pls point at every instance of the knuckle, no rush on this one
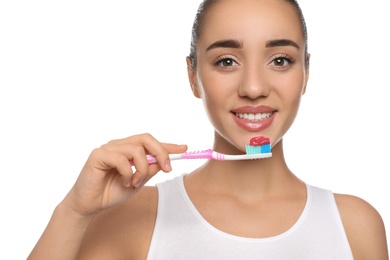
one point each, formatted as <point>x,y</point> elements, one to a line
<point>137,149</point>
<point>142,174</point>
<point>111,142</point>
<point>120,159</point>
<point>97,152</point>
<point>147,137</point>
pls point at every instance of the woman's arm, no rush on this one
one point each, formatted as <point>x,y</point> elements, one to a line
<point>63,235</point>
<point>106,180</point>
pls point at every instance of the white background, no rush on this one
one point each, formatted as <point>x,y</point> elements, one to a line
<point>76,74</point>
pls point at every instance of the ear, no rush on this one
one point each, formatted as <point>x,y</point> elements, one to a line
<point>192,78</point>
<point>307,70</point>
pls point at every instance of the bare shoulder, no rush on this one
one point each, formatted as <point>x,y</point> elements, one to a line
<point>364,227</point>
<point>123,232</point>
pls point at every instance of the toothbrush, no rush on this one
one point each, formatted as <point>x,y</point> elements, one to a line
<point>259,148</point>
<point>212,155</point>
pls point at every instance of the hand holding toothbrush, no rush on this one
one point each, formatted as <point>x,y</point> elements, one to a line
<point>107,177</point>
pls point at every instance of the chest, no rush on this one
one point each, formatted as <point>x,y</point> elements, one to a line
<point>258,219</point>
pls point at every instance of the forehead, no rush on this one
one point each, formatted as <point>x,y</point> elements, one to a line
<point>252,20</point>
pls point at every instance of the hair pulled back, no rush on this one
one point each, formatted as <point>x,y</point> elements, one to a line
<point>205,6</point>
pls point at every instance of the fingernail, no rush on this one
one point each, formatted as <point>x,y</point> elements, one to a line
<point>168,166</point>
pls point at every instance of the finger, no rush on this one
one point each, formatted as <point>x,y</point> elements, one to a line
<point>136,147</point>
<point>156,149</point>
<point>161,153</point>
<point>175,148</point>
<point>108,160</point>
<point>104,161</point>
<point>140,179</point>
<point>135,151</point>
<point>151,144</point>
<point>142,166</point>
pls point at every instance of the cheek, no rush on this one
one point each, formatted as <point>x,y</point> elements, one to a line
<point>290,87</point>
<point>290,91</point>
<point>215,88</point>
<point>212,99</point>
<point>216,92</point>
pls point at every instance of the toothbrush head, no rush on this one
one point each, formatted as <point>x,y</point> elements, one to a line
<point>258,144</point>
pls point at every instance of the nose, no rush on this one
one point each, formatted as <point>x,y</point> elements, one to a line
<point>253,83</point>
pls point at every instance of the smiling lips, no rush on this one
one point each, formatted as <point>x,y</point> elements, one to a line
<point>254,119</point>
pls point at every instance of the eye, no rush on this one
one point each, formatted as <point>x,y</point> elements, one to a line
<point>225,62</point>
<point>282,61</point>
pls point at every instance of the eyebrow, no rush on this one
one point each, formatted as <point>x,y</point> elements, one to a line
<point>237,44</point>
<point>281,42</point>
<point>225,44</point>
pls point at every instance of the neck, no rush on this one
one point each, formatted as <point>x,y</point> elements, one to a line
<point>262,177</point>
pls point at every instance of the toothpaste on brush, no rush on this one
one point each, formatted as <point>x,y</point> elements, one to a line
<point>258,144</point>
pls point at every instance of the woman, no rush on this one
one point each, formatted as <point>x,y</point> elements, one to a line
<point>250,66</point>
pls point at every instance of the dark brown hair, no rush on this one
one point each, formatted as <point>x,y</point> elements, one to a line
<point>205,6</point>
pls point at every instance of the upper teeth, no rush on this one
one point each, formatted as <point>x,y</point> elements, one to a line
<point>253,117</point>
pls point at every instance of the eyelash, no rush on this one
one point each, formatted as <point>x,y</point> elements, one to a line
<point>283,57</point>
<point>218,62</point>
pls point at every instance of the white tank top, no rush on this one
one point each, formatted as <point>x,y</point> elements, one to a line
<point>182,233</point>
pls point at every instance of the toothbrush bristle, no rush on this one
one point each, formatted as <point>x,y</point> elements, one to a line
<point>258,144</point>
<point>253,149</point>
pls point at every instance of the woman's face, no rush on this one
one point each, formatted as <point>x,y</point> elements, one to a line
<point>251,70</point>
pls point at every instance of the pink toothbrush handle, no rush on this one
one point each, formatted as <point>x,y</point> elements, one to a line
<point>150,159</point>
<point>212,155</point>
<point>205,154</point>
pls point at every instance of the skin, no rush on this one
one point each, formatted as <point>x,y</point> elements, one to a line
<point>108,214</point>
